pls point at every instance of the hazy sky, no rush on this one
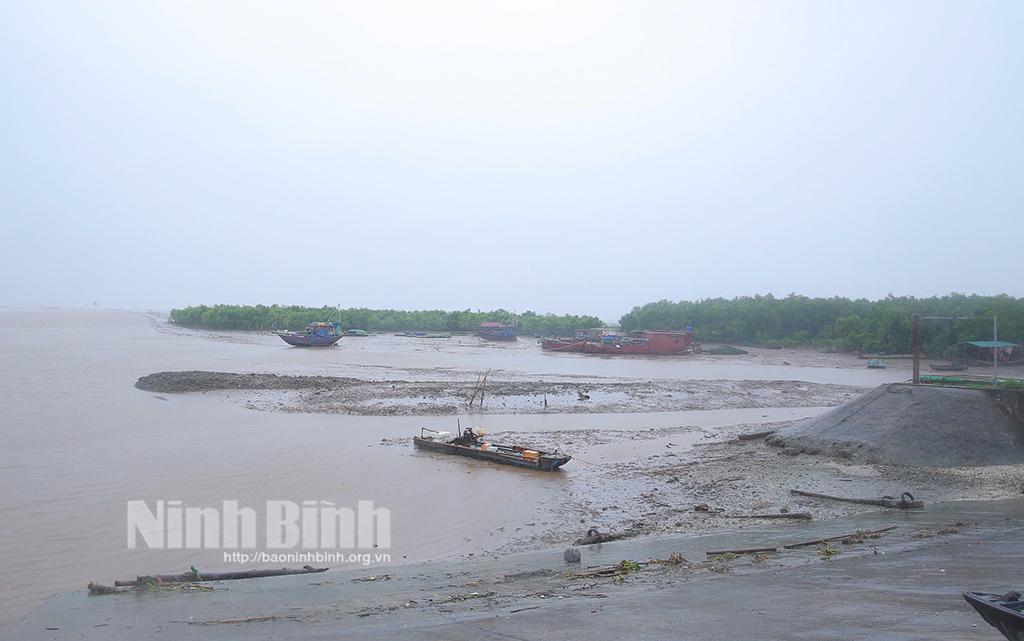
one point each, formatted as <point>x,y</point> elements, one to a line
<point>568,157</point>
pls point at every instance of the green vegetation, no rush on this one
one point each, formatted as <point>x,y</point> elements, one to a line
<point>835,323</point>
<point>838,323</point>
<point>275,317</point>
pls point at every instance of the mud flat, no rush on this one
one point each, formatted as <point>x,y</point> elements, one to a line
<point>634,481</point>
<point>678,480</point>
<point>582,395</point>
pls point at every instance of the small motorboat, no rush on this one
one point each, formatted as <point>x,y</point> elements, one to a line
<point>1004,613</point>
<point>955,366</point>
<point>470,443</point>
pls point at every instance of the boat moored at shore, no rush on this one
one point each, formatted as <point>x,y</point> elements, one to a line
<point>497,332</point>
<point>317,335</point>
<point>649,342</point>
<point>470,443</point>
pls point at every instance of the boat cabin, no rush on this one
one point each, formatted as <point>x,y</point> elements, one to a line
<point>666,341</point>
<point>323,330</point>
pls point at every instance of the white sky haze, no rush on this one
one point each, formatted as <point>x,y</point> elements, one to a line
<point>569,157</point>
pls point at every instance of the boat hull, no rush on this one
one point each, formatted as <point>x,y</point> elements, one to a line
<point>593,347</point>
<point>298,340</point>
<point>493,336</point>
<point>1004,616</point>
<point>505,456</point>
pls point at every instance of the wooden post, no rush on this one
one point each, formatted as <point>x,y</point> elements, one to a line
<point>917,349</point>
<point>483,386</point>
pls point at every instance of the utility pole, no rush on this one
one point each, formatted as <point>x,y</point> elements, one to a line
<point>995,351</point>
<point>917,349</point>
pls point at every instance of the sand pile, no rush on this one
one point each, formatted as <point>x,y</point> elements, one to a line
<point>916,426</point>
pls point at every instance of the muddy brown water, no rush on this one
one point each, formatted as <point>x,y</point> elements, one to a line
<point>77,441</point>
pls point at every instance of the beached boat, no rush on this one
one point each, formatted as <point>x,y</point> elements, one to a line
<point>497,332</point>
<point>423,335</point>
<point>317,335</point>
<point>470,443</point>
<point>1004,613</point>
<point>559,344</point>
<point>640,343</point>
<point>904,357</point>
<point>725,350</point>
<point>955,366</point>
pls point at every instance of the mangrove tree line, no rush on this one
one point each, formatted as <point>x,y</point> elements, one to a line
<point>278,317</point>
<point>840,323</point>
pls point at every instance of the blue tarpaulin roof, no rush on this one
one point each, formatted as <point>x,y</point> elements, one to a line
<point>991,344</point>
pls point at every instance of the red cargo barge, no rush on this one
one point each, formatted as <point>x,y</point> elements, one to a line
<point>643,342</point>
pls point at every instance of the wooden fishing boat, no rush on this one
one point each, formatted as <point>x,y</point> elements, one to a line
<point>955,366</point>
<point>905,357</point>
<point>561,344</point>
<point>725,350</point>
<point>1004,613</point>
<point>470,443</point>
<point>317,335</point>
<point>497,332</point>
<point>423,335</point>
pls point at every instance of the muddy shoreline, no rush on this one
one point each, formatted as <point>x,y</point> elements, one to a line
<point>681,480</point>
<point>630,481</point>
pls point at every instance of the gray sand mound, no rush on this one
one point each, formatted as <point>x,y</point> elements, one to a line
<point>916,426</point>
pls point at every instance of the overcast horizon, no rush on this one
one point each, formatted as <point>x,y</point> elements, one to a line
<point>560,157</point>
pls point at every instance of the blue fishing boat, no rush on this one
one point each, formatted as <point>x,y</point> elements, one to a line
<point>317,335</point>
<point>497,332</point>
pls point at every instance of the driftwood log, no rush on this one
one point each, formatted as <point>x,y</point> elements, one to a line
<point>837,538</point>
<point>740,551</point>
<point>905,502</point>
<point>800,516</point>
<point>194,577</point>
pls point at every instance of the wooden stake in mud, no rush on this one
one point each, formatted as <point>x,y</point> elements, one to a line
<point>483,387</point>
<point>481,384</point>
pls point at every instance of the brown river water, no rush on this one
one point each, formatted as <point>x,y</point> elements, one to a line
<point>77,441</point>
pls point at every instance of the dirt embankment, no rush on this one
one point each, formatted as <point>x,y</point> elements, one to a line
<point>336,395</point>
